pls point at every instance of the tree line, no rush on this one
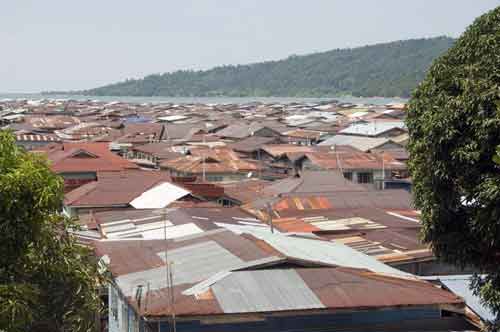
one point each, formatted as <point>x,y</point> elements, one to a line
<point>388,70</point>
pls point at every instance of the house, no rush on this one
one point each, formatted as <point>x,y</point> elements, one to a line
<point>249,147</point>
<point>137,134</point>
<point>115,190</point>
<point>212,165</point>
<point>245,278</point>
<point>359,167</point>
<point>79,163</point>
<point>152,154</point>
<point>280,159</point>
<point>302,136</point>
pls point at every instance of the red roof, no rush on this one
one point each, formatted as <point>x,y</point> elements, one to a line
<point>86,157</point>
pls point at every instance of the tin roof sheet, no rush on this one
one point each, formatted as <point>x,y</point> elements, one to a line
<point>266,290</point>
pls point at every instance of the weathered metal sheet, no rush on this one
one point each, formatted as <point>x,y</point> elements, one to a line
<point>333,253</point>
<point>264,290</point>
<point>190,264</point>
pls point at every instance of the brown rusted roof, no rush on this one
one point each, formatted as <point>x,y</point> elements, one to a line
<point>115,188</point>
<point>355,160</point>
<point>252,143</point>
<point>211,161</point>
<point>86,157</point>
<point>245,191</point>
<point>335,287</point>
<point>278,150</point>
<point>353,288</point>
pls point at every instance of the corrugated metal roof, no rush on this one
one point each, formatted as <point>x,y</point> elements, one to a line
<point>460,285</point>
<point>359,142</point>
<point>327,252</point>
<point>198,261</point>
<point>205,284</point>
<point>266,290</point>
<point>191,264</point>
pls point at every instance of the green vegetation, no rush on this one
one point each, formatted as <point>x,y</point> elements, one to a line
<point>454,126</point>
<point>390,69</point>
<point>47,281</point>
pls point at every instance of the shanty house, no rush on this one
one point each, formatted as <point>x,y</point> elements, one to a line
<point>245,278</point>
<point>359,167</point>
<point>79,163</point>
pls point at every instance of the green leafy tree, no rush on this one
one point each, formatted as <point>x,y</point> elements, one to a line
<point>454,126</point>
<point>47,281</point>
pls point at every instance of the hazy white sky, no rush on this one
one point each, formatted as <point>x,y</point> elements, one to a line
<point>66,44</point>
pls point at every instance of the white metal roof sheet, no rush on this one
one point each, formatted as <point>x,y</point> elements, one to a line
<point>159,196</point>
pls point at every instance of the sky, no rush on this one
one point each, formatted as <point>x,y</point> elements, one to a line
<point>70,45</point>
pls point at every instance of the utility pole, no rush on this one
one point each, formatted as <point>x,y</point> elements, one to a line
<point>168,272</point>
<point>339,165</point>
<point>260,164</point>
<point>270,213</point>
<point>383,171</point>
<point>203,158</point>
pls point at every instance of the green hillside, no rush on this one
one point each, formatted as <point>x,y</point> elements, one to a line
<point>389,69</point>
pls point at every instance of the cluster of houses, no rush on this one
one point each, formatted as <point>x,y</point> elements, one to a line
<point>248,217</point>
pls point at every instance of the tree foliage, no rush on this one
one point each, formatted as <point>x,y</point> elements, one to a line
<point>47,281</point>
<point>454,125</point>
<point>390,69</point>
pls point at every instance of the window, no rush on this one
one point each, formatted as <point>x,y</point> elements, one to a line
<point>365,178</point>
<point>214,178</point>
<point>348,175</point>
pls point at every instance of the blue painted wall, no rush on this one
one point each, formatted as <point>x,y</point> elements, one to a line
<point>328,322</point>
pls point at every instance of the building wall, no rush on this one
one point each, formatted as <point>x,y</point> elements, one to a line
<point>347,321</point>
<point>121,318</point>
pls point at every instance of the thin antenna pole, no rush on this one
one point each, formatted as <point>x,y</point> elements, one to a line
<point>339,165</point>
<point>167,274</point>
<point>260,164</point>
<point>270,213</point>
<point>172,299</point>
<point>203,158</point>
<point>383,171</point>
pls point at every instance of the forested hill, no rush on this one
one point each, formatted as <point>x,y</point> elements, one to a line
<point>389,69</point>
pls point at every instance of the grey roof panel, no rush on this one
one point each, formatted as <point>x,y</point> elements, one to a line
<point>205,284</point>
<point>191,264</point>
<point>199,261</point>
<point>327,252</point>
<point>264,290</point>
